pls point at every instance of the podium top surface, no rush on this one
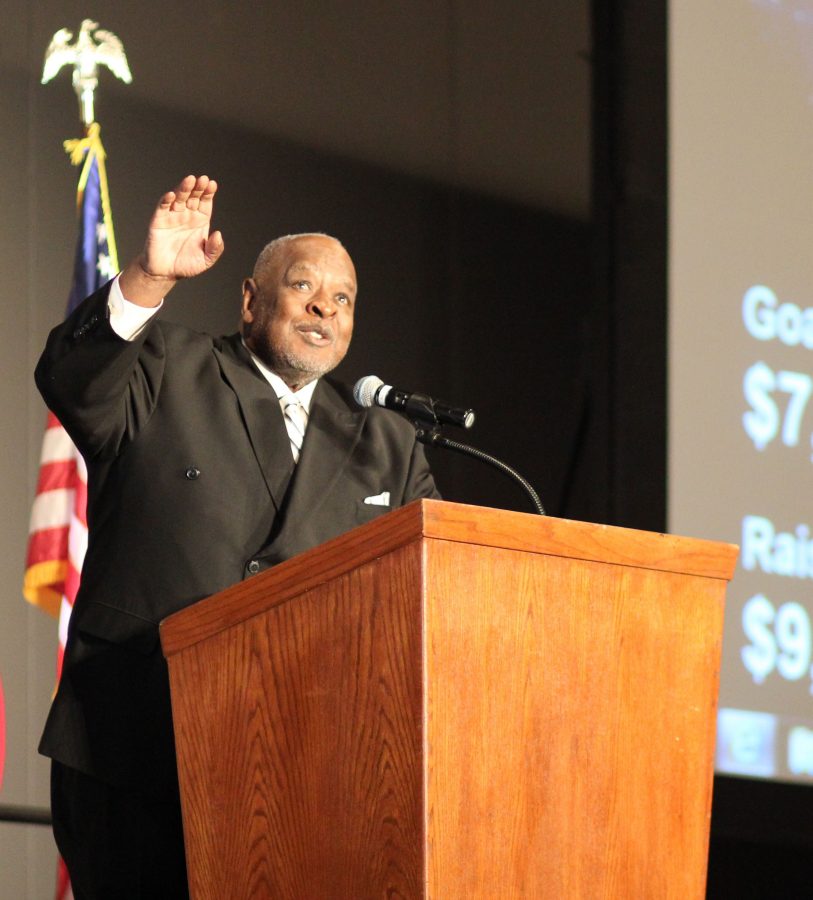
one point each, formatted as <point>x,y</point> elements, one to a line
<point>457,522</point>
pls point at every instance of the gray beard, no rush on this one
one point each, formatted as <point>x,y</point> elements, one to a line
<point>289,365</point>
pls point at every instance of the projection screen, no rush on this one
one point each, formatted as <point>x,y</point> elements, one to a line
<point>741,353</point>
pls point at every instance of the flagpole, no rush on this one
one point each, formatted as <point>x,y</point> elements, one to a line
<point>50,567</point>
<point>58,525</point>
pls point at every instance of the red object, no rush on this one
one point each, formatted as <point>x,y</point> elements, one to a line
<point>63,882</point>
<point>2,734</point>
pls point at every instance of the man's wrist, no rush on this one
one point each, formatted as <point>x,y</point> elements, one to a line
<point>141,287</point>
<point>127,319</point>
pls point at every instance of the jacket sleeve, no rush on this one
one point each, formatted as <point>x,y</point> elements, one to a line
<point>101,387</point>
<point>420,483</point>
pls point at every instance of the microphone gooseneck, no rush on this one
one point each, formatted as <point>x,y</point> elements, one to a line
<point>435,439</point>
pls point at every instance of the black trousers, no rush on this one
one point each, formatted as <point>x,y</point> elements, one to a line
<point>118,844</point>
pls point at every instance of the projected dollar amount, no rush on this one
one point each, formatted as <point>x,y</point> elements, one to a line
<point>779,640</point>
<point>778,402</point>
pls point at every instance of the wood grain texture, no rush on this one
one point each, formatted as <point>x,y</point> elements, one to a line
<point>445,521</point>
<point>300,744</point>
<point>570,727</point>
<point>578,540</point>
<point>413,712</point>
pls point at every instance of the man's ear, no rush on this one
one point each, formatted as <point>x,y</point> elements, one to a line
<point>249,295</point>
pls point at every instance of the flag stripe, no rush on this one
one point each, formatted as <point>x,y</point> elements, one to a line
<point>77,545</point>
<point>56,445</point>
<point>56,475</point>
<point>64,617</point>
<point>52,509</point>
<point>48,544</point>
<point>58,534</point>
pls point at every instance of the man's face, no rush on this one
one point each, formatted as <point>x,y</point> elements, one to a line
<point>298,310</point>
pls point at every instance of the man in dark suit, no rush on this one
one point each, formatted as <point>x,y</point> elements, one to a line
<point>197,479</point>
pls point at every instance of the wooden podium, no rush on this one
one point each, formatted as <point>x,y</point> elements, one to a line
<point>455,703</point>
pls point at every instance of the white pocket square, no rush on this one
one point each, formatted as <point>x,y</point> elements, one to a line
<point>382,499</point>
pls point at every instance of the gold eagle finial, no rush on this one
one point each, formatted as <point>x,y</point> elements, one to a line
<point>93,47</point>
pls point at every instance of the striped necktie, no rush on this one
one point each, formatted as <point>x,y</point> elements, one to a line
<point>296,421</point>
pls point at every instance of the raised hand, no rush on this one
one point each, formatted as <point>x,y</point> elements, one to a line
<point>178,243</point>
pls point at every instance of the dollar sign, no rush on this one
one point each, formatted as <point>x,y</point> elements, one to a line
<point>762,422</point>
<point>759,657</point>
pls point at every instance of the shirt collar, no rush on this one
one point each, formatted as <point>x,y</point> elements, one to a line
<point>304,395</point>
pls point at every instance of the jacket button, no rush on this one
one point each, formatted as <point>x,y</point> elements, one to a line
<point>253,567</point>
<point>192,473</point>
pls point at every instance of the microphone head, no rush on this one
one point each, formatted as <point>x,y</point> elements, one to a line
<point>364,391</point>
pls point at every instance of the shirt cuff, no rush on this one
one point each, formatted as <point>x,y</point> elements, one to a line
<point>127,319</point>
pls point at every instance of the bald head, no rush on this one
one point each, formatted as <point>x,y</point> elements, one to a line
<point>274,249</point>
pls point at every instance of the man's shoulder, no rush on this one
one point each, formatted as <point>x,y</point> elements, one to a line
<point>180,337</point>
<point>178,332</point>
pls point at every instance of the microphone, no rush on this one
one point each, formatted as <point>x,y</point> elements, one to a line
<point>371,391</point>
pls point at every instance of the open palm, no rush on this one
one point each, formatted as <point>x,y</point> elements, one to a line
<point>178,242</point>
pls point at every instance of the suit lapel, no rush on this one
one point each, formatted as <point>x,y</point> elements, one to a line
<point>261,414</point>
<point>333,431</point>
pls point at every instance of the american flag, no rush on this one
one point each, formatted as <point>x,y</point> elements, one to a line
<point>58,529</point>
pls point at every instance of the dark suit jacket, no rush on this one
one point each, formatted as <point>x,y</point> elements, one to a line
<point>191,488</point>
